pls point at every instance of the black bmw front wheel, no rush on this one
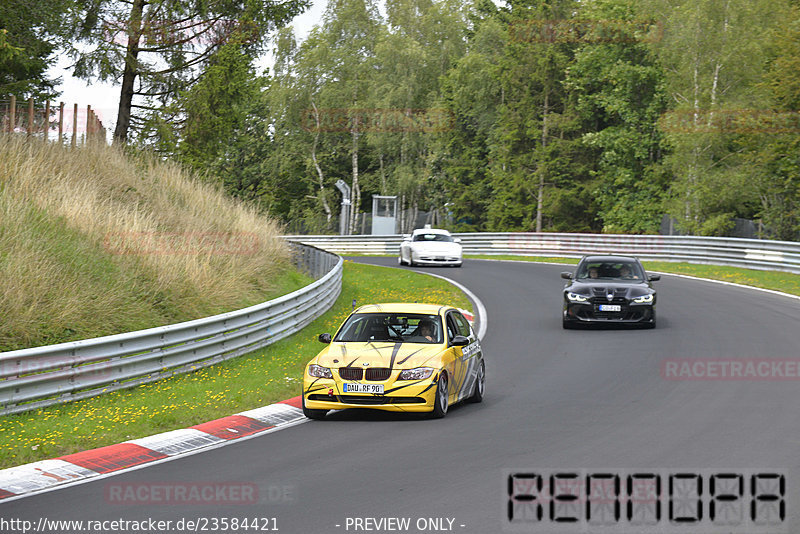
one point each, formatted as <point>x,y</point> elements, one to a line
<point>652,323</point>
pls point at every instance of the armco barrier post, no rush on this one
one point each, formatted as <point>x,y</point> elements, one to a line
<point>74,125</point>
<point>30,116</point>
<point>46,124</point>
<point>60,122</point>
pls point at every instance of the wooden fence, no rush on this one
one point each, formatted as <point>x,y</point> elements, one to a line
<point>49,121</point>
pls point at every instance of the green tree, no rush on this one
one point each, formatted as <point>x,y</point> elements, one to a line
<point>30,33</point>
<point>532,140</point>
<point>773,154</point>
<point>620,94</point>
<point>159,48</point>
<point>713,53</point>
<point>423,41</point>
<point>217,106</point>
<point>305,155</point>
<point>471,93</point>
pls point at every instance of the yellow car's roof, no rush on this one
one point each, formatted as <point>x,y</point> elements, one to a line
<point>402,307</point>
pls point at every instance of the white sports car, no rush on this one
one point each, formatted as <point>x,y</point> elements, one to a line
<point>430,246</point>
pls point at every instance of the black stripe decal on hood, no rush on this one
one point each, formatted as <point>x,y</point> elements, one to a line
<point>376,349</point>
<point>395,350</point>
<point>404,360</point>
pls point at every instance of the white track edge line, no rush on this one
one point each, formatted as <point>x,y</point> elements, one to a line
<point>481,311</point>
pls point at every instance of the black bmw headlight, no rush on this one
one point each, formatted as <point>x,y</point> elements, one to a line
<point>576,297</point>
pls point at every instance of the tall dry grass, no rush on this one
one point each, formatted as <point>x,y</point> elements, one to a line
<point>94,241</point>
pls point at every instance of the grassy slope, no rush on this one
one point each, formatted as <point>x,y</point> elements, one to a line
<point>260,378</point>
<point>94,242</point>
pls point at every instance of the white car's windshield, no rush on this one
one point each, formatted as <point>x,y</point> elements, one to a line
<point>397,327</point>
<point>433,237</point>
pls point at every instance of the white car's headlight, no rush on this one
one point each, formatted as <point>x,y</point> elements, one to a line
<point>420,373</point>
<point>318,371</point>
<point>574,297</point>
<point>644,299</point>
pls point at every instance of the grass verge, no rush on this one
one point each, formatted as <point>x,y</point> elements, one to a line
<point>96,241</point>
<point>774,280</point>
<point>268,375</point>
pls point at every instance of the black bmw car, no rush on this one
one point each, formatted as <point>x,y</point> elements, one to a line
<point>609,289</point>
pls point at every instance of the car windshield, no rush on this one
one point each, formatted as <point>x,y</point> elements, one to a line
<point>433,237</point>
<point>397,327</point>
<point>610,270</point>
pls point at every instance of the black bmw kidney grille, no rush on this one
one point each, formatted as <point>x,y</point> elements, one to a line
<point>599,296</point>
<point>351,373</point>
<point>378,373</point>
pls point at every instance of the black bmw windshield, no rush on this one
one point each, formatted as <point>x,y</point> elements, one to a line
<point>618,271</point>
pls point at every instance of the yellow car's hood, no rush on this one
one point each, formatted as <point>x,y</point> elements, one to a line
<point>379,354</point>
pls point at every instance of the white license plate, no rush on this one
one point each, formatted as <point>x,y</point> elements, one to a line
<point>364,388</point>
<point>610,307</point>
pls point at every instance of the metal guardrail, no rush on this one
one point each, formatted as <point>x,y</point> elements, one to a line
<point>43,376</point>
<point>736,252</point>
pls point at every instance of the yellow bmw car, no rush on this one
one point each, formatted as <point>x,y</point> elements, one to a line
<point>396,357</point>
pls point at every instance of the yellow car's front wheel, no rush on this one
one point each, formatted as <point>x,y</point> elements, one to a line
<point>311,413</point>
<point>480,385</point>
<point>440,401</point>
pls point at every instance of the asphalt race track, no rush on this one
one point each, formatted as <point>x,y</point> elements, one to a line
<point>557,401</point>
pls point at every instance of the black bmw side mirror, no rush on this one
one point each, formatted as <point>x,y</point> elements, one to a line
<point>566,275</point>
<point>459,341</point>
<point>653,277</point>
<point>324,338</point>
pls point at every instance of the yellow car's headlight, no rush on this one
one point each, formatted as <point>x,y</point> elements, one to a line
<point>420,373</point>
<point>317,371</point>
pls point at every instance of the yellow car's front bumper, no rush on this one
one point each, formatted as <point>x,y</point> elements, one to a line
<point>398,396</point>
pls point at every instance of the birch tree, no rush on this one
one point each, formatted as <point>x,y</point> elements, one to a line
<point>712,51</point>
